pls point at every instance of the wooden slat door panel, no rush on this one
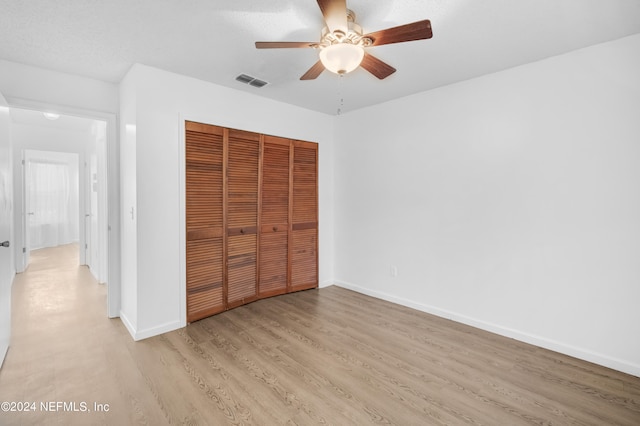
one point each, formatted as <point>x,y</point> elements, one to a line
<point>251,217</point>
<point>204,278</point>
<point>204,220</point>
<point>304,266</point>
<point>274,217</point>
<point>242,216</point>
<point>304,215</point>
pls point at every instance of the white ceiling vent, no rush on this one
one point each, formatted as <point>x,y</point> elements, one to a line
<point>257,83</point>
<point>252,81</point>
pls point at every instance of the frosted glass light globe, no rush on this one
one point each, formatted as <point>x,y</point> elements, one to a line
<point>341,58</point>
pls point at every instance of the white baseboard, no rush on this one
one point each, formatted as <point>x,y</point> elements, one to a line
<point>128,325</point>
<point>148,332</point>
<point>160,329</point>
<point>3,354</point>
<point>5,344</point>
<point>324,284</point>
<point>576,352</point>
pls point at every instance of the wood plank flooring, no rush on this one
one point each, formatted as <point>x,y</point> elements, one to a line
<point>328,356</point>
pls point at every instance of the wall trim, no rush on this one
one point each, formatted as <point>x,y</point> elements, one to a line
<point>553,345</point>
<point>326,283</point>
<point>148,332</point>
<point>112,185</point>
<point>182,219</point>
<point>156,330</point>
<point>128,325</point>
<point>3,354</point>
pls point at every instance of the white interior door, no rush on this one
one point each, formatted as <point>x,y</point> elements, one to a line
<point>6,217</point>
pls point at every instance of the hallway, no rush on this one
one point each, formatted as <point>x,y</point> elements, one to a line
<point>64,348</point>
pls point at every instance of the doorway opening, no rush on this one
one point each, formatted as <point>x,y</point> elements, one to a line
<point>61,188</point>
<point>52,201</point>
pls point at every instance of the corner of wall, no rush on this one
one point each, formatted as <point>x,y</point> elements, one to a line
<point>128,324</point>
<point>156,330</point>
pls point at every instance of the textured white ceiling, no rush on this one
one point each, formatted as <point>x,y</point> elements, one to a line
<point>214,40</point>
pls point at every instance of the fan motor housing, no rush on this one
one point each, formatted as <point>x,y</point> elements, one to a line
<point>352,36</point>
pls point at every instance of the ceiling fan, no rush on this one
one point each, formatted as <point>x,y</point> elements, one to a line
<point>342,44</point>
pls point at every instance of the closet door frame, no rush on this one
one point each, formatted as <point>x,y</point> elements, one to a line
<point>290,227</point>
<point>225,218</point>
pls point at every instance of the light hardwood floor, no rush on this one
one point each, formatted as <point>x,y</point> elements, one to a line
<point>328,356</point>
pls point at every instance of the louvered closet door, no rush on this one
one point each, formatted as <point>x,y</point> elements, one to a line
<point>304,238</point>
<point>204,220</point>
<point>242,216</point>
<point>274,217</point>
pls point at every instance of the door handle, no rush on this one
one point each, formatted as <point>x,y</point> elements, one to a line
<point>5,244</point>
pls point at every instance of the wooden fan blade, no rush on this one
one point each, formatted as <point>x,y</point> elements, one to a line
<point>313,72</point>
<point>376,67</point>
<point>283,44</point>
<point>335,14</point>
<point>415,31</point>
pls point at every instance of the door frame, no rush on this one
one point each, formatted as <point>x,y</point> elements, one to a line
<point>111,199</point>
<point>6,230</point>
<point>28,155</point>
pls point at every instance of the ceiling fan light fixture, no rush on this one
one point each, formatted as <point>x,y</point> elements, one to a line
<point>342,42</point>
<point>341,58</point>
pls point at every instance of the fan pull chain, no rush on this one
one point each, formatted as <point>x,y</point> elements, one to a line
<point>340,96</point>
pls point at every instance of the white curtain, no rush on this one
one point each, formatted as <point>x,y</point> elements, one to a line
<point>52,203</point>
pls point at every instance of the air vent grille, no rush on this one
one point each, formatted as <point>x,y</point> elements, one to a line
<point>243,78</point>
<point>252,81</point>
<point>257,83</point>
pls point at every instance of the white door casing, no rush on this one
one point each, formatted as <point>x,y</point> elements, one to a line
<point>109,197</point>
<point>7,270</point>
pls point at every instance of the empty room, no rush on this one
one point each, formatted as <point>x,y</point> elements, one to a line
<point>320,212</point>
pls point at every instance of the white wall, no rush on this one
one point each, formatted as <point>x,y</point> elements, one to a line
<point>509,202</point>
<point>22,83</point>
<point>128,189</point>
<point>157,103</point>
